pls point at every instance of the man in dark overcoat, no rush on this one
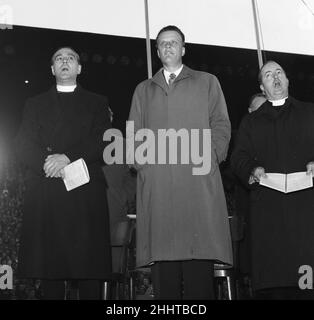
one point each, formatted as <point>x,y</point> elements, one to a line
<point>278,138</point>
<point>65,237</point>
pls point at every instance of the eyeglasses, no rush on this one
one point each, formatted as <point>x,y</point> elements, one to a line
<point>172,43</point>
<point>61,59</point>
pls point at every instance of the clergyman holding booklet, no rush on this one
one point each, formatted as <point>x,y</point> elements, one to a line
<point>275,145</point>
<point>65,238</point>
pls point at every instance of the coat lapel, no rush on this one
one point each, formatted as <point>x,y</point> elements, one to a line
<point>160,80</point>
<point>184,74</point>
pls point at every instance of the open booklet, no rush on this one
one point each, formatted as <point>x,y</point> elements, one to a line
<point>287,182</point>
<point>75,174</point>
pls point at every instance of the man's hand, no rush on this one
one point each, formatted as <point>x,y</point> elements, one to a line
<point>54,165</point>
<point>310,168</point>
<point>257,174</point>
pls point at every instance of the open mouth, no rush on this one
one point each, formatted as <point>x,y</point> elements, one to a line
<point>64,69</point>
<point>277,84</point>
<point>168,54</point>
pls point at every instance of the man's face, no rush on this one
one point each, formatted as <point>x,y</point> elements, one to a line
<point>274,81</point>
<point>65,66</point>
<point>256,103</point>
<point>170,48</point>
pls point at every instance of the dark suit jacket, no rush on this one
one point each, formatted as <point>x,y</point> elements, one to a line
<point>64,234</point>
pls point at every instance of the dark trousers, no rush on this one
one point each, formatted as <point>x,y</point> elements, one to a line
<point>188,280</point>
<point>71,289</point>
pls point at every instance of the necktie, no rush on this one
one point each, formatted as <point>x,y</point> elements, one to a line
<point>171,78</point>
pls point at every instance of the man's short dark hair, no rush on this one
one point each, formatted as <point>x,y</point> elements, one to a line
<point>171,28</point>
<point>66,47</point>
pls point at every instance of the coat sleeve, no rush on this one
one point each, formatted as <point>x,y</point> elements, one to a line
<point>219,120</point>
<point>28,147</point>
<point>136,119</point>
<point>92,146</point>
<point>136,109</point>
<point>243,159</point>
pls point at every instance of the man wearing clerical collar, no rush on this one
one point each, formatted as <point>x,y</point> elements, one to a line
<point>273,81</point>
<point>65,238</point>
<point>278,138</point>
<point>66,66</point>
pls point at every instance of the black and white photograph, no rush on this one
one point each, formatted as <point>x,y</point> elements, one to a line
<point>156,151</point>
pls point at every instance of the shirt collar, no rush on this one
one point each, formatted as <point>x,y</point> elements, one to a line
<point>61,88</point>
<point>167,73</point>
<point>278,102</point>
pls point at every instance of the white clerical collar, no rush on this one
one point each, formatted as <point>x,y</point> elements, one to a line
<point>61,88</point>
<point>277,103</point>
<point>167,73</point>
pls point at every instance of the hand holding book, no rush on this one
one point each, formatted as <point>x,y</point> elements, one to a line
<point>257,174</point>
<point>287,182</point>
<point>54,164</point>
<point>310,168</point>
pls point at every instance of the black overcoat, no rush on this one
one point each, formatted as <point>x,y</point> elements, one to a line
<point>65,235</point>
<point>280,140</point>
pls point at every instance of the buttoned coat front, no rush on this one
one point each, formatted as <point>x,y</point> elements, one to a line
<point>181,216</point>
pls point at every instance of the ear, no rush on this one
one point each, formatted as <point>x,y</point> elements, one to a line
<point>183,51</point>
<point>262,88</point>
<point>158,53</point>
<point>79,69</point>
<point>53,70</point>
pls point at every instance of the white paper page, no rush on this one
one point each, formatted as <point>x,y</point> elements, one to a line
<point>298,181</point>
<point>275,181</point>
<point>75,174</point>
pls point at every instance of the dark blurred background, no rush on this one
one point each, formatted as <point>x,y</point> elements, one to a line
<point>114,65</point>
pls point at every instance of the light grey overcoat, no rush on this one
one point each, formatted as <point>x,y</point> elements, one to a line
<point>181,216</point>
